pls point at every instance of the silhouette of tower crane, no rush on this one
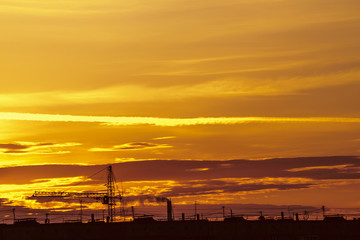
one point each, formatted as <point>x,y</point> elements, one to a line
<point>108,198</point>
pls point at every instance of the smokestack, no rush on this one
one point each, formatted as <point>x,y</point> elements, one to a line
<point>47,220</point>
<point>169,210</point>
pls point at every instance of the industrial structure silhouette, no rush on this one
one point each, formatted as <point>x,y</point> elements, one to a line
<point>331,227</point>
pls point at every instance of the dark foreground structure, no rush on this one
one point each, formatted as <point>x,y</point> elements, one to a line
<point>146,228</point>
<point>329,229</point>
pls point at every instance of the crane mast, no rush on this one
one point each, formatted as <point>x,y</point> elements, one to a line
<point>111,193</point>
<point>108,198</point>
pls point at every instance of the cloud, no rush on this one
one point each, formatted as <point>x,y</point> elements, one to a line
<point>124,160</point>
<point>146,191</point>
<point>276,171</point>
<point>272,168</point>
<point>198,169</point>
<point>213,58</point>
<point>163,138</point>
<point>20,192</point>
<point>344,166</point>
<point>28,148</point>
<point>221,187</point>
<point>167,122</point>
<point>132,146</point>
<point>11,146</point>
<point>224,83</point>
<point>228,180</point>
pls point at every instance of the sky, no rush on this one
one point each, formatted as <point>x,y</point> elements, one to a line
<point>219,102</point>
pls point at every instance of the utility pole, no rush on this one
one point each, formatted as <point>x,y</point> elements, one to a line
<point>81,211</point>
<point>122,202</point>
<point>223,209</point>
<point>13,210</point>
<point>289,211</point>
<point>195,211</point>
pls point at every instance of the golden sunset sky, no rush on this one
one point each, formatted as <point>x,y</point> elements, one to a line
<point>229,102</point>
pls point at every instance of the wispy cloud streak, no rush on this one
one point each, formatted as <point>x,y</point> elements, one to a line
<point>131,146</point>
<point>168,122</point>
<point>27,148</point>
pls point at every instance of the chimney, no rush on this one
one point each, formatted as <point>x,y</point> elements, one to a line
<point>169,210</point>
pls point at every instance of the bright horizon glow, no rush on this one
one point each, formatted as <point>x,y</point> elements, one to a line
<point>166,122</point>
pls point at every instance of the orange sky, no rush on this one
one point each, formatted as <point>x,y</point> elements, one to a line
<point>129,82</point>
